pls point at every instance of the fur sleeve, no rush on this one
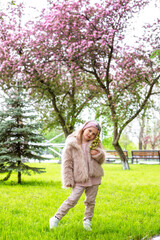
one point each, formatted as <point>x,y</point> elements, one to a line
<point>67,167</point>
<point>99,157</point>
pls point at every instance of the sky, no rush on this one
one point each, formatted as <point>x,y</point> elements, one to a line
<point>147,15</point>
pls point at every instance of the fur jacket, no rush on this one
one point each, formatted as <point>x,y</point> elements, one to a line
<point>74,166</point>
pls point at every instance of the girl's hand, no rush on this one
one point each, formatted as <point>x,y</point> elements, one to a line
<point>94,152</point>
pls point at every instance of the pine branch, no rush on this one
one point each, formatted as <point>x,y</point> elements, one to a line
<point>7,177</point>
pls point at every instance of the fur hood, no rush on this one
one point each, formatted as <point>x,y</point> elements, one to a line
<point>74,165</point>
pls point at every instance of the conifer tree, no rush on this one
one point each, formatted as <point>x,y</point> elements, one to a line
<point>19,136</point>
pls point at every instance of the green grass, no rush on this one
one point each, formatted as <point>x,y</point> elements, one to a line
<point>127,206</point>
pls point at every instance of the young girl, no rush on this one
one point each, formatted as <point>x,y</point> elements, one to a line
<point>81,170</point>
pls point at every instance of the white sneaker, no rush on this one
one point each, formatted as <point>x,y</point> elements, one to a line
<point>53,222</point>
<point>87,225</point>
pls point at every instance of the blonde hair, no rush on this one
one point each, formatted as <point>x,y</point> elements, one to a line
<point>79,136</point>
<point>80,133</point>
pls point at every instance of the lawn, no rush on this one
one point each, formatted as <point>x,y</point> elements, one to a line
<point>127,206</point>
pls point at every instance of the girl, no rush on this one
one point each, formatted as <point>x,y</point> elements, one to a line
<point>81,170</point>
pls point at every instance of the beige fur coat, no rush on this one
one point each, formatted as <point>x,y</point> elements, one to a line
<point>74,166</point>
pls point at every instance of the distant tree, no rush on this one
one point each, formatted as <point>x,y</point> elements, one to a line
<point>19,136</point>
<point>55,135</point>
<point>107,143</point>
<point>126,143</point>
<point>142,119</point>
<point>148,121</point>
<point>152,136</point>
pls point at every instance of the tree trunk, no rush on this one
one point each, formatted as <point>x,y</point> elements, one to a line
<point>141,137</point>
<point>19,177</point>
<point>145,146</point>
<point>153,146</point>
<point>123,158</point>
<point>141,134</point>
<point>117,146</point>
<point>19,174</point>
<point>67,130</point>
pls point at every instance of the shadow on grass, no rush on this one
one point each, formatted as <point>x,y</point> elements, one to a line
<point>33,183</point>
<point>42,183</point>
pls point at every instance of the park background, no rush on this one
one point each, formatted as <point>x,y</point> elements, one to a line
<point>128,204</point>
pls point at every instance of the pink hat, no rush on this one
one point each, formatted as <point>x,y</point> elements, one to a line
<point>92,124</point>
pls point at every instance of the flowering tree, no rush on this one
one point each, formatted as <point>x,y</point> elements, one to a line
<point>153,141</point>
<point>64,90</point>
<point>12,38</point>
<point>78,39</point>
<point>151,134</point>
<point>27,53</point>
<point>91,39</point>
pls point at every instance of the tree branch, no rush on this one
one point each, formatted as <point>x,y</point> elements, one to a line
<point>83,105</point>
<point>141,107</point>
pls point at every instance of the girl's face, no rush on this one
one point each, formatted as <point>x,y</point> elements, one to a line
<point>89,134</point>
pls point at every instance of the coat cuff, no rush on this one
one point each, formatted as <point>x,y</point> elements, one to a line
<point>99,157</point>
